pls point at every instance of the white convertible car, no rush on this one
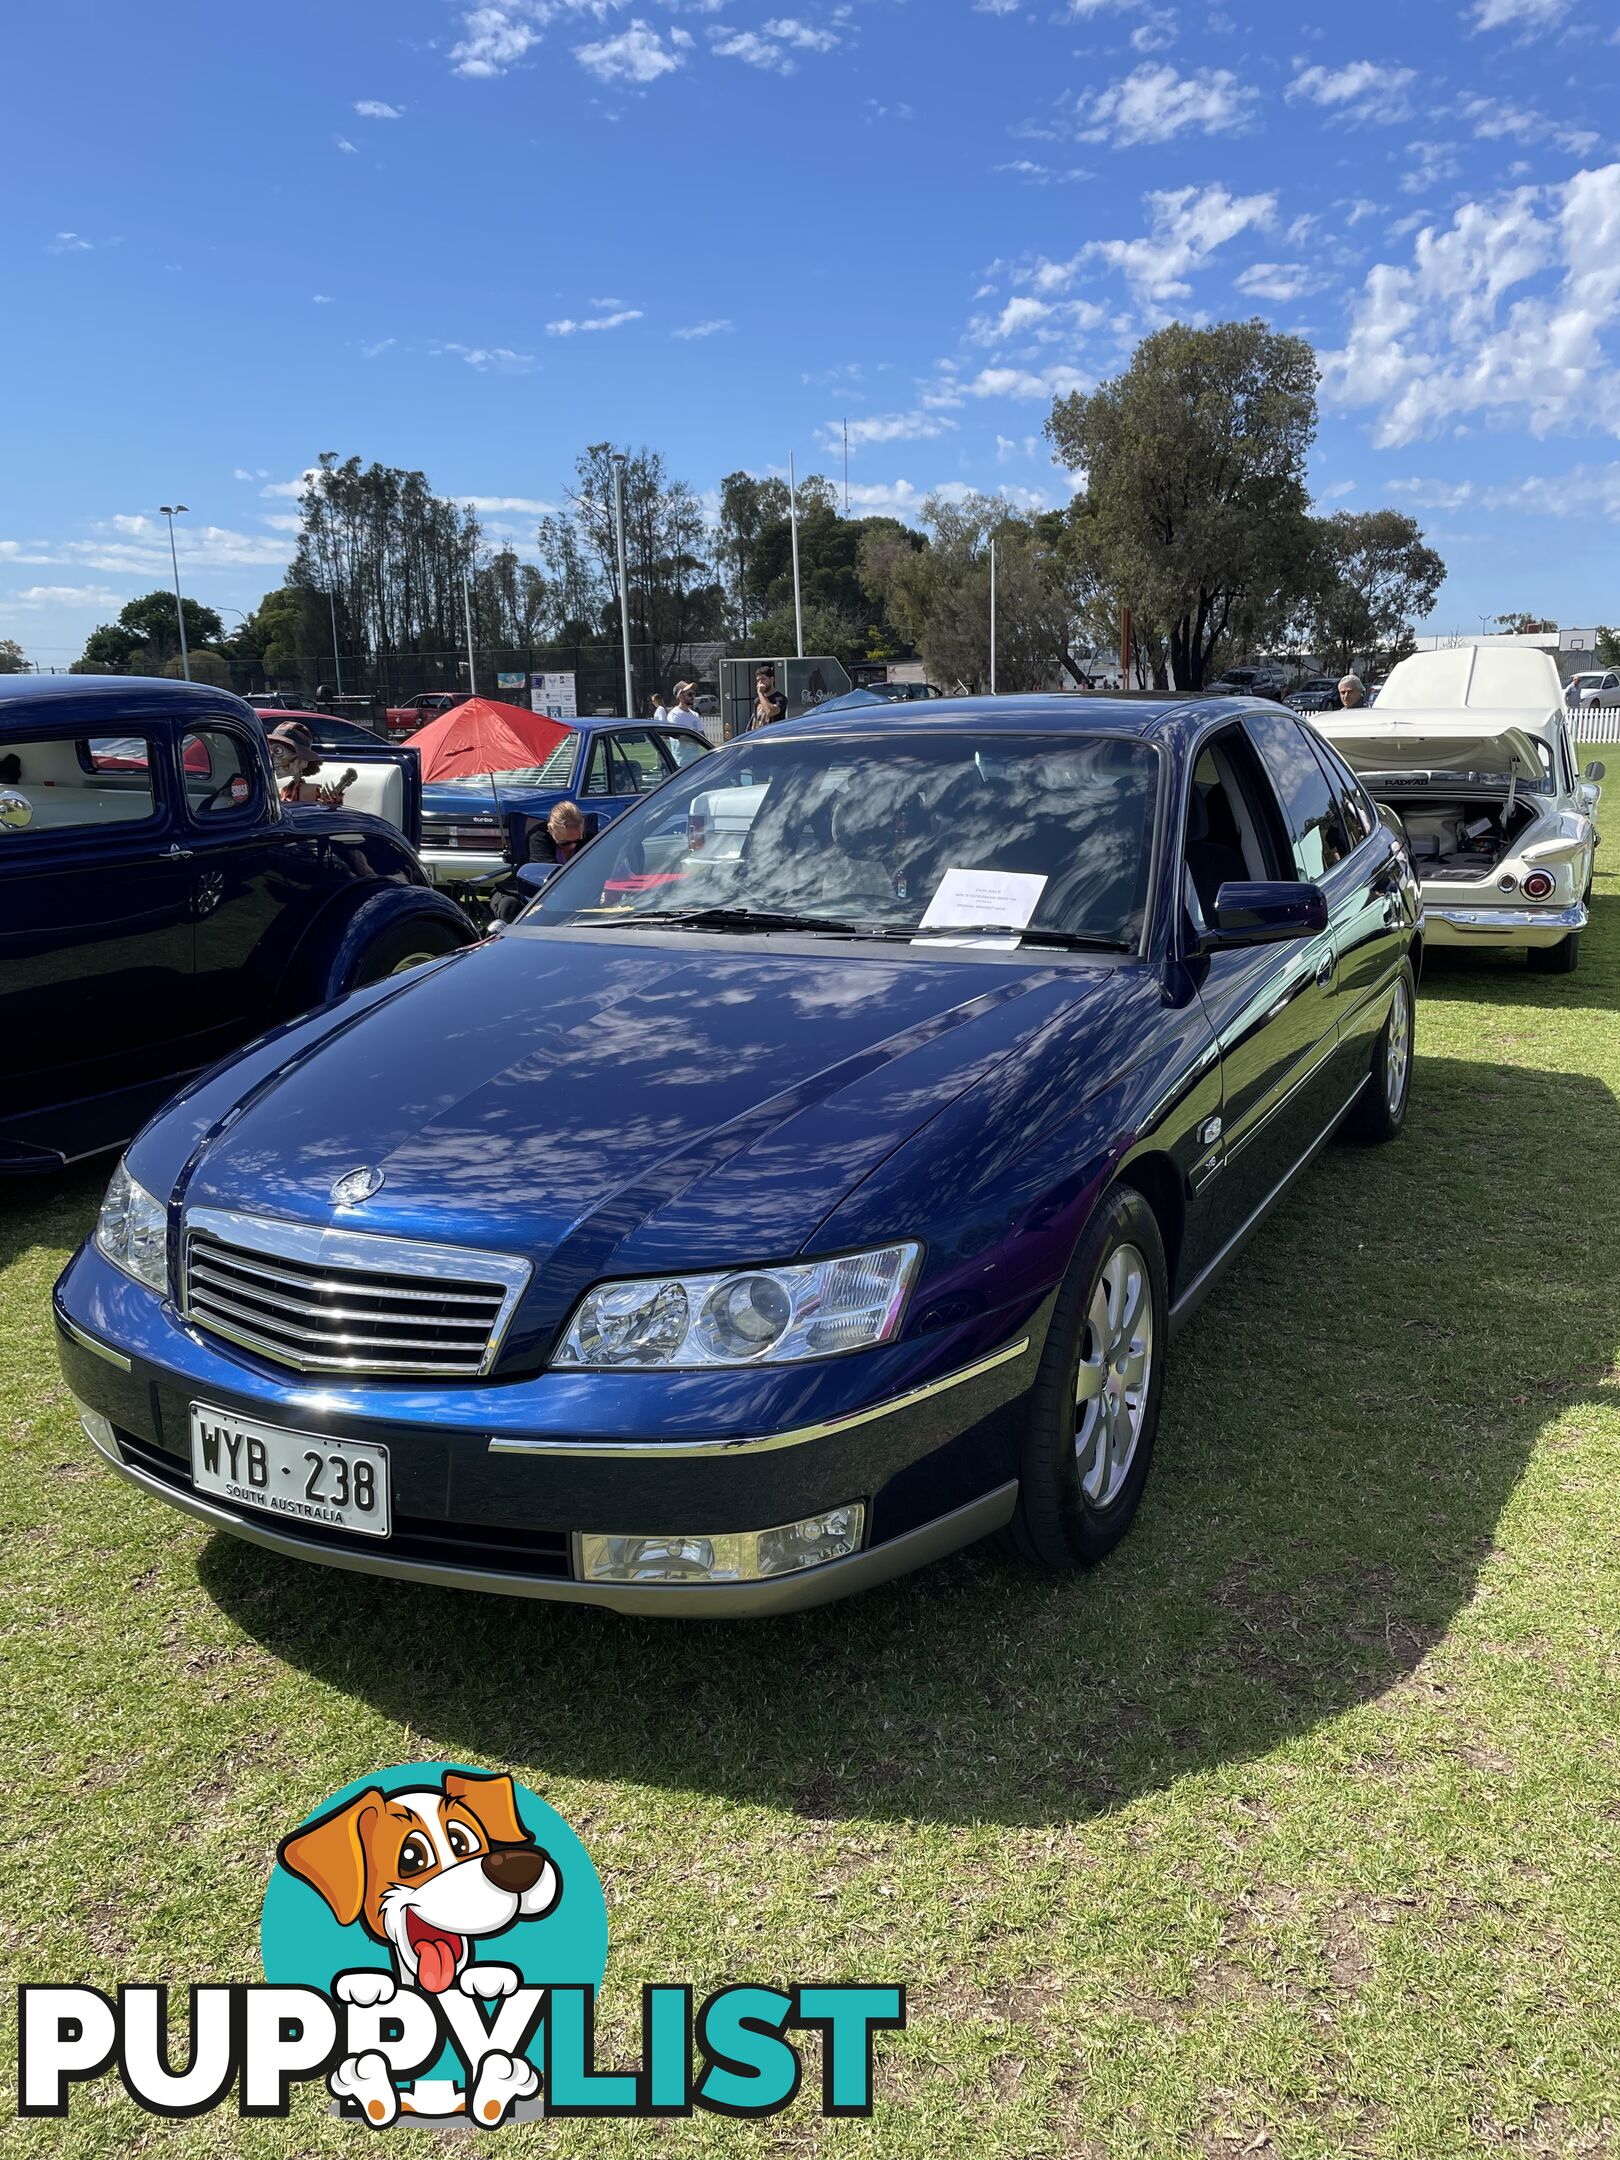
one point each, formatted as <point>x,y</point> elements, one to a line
<point>1470,748</point>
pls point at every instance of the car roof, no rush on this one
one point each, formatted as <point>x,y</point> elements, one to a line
<point>1139,716</point>
<point>57,696</point>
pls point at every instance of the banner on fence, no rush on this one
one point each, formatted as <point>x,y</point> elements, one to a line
<point>554,695</point>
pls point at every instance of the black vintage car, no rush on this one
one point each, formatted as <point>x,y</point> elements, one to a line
<point>160,904</point>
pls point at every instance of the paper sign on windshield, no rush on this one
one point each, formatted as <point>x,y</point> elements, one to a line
<point>981,897</point>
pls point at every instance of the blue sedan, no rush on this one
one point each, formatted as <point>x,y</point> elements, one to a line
<point>606,766</point>
<point>810,1182</point>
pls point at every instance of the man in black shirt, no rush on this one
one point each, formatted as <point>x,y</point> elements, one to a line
<point>769,703</point>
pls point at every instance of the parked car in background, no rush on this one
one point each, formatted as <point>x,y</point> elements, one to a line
<point>402,720</point>
<point>276,701</point>
<point>160,905</point>
<point>1317,693</point>
<point>470,826</point>
<point>726,1238</point>
<point>1597,686</point>
<point>1470,749</point>
<point>1263,679</point>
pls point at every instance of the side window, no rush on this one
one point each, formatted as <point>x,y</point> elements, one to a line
<point>637,766</point>
<point>1234,826</point>
<point>682,751</point>
<point>1355,805</point>
<point>219,774</point>
<point>1566,758</point>
<point>1314,816</point>
<point>66,783</point>
<point>596,773</point>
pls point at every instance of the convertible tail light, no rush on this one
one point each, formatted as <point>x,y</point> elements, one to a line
<point>1538,885</point>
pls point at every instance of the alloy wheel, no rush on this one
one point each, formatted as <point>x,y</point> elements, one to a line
<point>1397,1048</point>
<point>1111,1385</point>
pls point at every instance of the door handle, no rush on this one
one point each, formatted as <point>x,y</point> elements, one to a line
<point>177,853</point>
<point>1324,970</point>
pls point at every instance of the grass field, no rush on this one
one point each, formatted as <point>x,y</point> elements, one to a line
<point>1292,1830</point>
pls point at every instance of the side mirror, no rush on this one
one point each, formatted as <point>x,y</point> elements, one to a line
<point>1595,771</point>
<point>533,875</point>
<point>16,811</point>
<point>1266,914</point>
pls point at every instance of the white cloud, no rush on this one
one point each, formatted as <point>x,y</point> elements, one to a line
<point>1375,90</point>
<point>531,505</point>
<point>803,35</point>
<point>242,473</point>
<point>375,109</point>
<point>712,328</point>
<point>133,527</point>
<point>753,50</point>
<point>493,40</point>
<point>884,428</point>
<point>284,521</point>
<point>70,243</point>
<point>1435,162</point>
<point>344,144</point>
<point>1509,313</point>
<point>321,299</point>
<point>1579,493</point>
<point>1158,31</point>
<point>484,357</point>
<point>1517,14</point>
<point>1152,104</point>
<point>290,490</point>
<point>96,596</point>
<point>1280,282</point>
<point>636,55</point>
<point>1495,120</point>
<point>569,327</point>
<point>377,348</point>
<point>1188,225</point>
<point>1015,382</point>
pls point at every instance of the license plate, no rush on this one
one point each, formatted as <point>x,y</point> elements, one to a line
<point>303,1477</point>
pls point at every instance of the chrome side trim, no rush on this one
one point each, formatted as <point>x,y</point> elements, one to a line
<point>667,1601</point>
<point>89,1342</point>
<point>685,1450</point>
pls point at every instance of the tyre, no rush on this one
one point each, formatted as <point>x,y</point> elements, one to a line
<point>1559,959</point>
<point>1094,1406</point>
<point>405,945</point>
<point>1379,1110</point>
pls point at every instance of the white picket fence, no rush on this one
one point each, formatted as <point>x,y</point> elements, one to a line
<point>1594,723</point>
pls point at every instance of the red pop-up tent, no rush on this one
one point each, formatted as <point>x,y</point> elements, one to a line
<point>484,736</point>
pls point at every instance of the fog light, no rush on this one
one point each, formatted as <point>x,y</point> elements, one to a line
<point>731,1556</point>
<point>98,1427</point>
<point>1538,885</point>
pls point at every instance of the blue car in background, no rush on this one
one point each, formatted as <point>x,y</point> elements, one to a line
<point>750,1222</point>
<point>472,829</point>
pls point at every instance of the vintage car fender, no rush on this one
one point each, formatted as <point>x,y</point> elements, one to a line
<point>329,959</point>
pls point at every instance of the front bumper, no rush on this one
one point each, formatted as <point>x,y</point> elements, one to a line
<point>1516,927</point>
<point>462,866</point>
<point>492,1485</point>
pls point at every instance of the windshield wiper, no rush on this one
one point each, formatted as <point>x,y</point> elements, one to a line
<point>1067,940</point>
<point>732,918</point>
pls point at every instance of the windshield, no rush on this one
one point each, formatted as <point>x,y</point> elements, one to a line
<point>557,771</point>
<point>887,834</point>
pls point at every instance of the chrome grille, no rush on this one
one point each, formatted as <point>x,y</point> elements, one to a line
<point>484,835</point>
<point>347,1301</point>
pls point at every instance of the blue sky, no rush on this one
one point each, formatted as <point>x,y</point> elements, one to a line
<point>475,239</point>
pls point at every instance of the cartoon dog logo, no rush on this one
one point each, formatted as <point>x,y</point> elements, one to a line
<point>430,1872</point>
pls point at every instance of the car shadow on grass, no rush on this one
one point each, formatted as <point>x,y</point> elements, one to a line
<point>1455,972</point>
<point>1342,1427</point>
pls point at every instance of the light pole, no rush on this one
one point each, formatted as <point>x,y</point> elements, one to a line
<point>466,616</point>
<point>793,515</point>
<point>620,461</point>
<point>992,618</point>
<point>171,511</point>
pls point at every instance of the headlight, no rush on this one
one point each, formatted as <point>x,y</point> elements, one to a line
<point>751,1316</point>
<point>133,1231</point>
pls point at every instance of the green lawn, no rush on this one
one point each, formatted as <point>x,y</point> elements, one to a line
<point>1294,1829</point>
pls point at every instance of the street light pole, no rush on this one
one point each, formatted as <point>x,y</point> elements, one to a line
<point>619,463</point>
<point>337,657</point>
<point>992,618</point>
<point>466,611</point>
<point>793,515</point>
<point>171,511</point>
